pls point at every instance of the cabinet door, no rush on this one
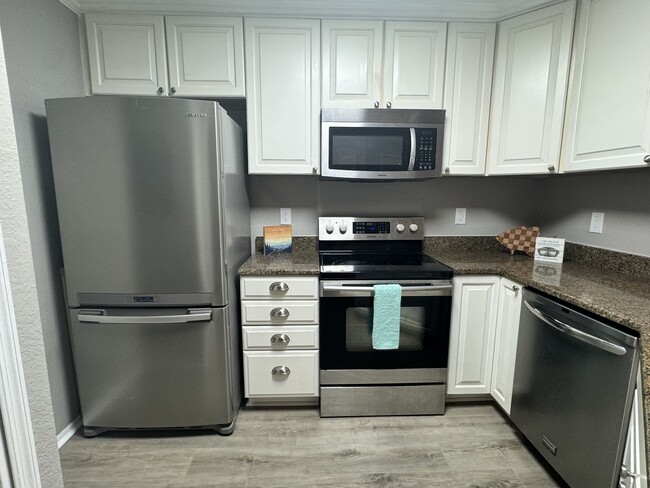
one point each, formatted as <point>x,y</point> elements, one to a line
<point>530,78</point>
<point>468,83</point>
<point>608,113</point>
<point>471,340</point>
<point>127,54</point>
<point>352,63</point>
<point>206,56</point>
<point>414,64</point>
<point>505,347</point>
<point>282,86</point>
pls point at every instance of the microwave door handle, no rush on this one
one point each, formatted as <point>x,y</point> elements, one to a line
<point>413,147</point>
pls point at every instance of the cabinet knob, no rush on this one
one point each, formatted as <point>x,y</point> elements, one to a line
<point>172,90</point>
<point>389,105</point>
<point>279,286</point>
<point>647,159</point>
<point>551,168</point>
<point>376,104</point>
<point>281,371</point>
<point>447,170</point>
<point>515,289</point>
<point>280,339</point>
<point>160,90</point>
<point>314,170</point>
<point>280,312</point>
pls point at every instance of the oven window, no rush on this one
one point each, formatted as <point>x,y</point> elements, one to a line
<point>358,329</point>
<point>369,149</point>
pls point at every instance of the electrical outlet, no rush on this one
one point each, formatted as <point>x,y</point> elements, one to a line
<point>460,216</point>
<point>285,216</point>
<point>596,225</point>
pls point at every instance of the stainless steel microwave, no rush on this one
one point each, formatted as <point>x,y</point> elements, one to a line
<point>381,144</point>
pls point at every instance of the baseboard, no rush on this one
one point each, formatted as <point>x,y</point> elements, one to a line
<point>65,435</point>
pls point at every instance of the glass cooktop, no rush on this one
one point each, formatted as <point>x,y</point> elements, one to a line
<point>382,265</point>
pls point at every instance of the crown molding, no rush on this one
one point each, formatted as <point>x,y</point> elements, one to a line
<point>456,10</point>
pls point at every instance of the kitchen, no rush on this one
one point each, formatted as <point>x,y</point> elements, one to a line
<point>46,65</point>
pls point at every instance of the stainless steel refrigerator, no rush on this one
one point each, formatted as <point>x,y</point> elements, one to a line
<point>154,220</point>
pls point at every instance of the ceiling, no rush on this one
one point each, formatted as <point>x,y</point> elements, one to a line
<point>359,9</point>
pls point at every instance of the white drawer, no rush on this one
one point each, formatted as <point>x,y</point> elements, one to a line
<point>262,337</point>
<point>301,380</point>
<point>286,287</point>
<point>274,312</point>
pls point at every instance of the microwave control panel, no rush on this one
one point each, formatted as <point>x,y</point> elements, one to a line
<point>370,228</point>
<point>425,151</point>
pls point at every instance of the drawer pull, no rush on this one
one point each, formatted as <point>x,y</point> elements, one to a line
<point>279,286</point>
<point>281,371</point>
<point>280,339</point>
<point>280,312</point>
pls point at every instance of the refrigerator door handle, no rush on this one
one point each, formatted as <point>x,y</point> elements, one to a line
<point>191,316</point>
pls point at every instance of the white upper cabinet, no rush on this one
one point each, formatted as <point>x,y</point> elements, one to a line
<point>282,86</point>
<point>414,64</point>
<point>530,78</point>
<point>351,63</point>
<point>127,54</point>
<point>608,109</point>
<point>206,56</point>
<point>468,84</point>
<point>370,64</point>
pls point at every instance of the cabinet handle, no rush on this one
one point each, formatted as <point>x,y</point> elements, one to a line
<point>172,90</point>
<point>279,286</point>
<point>389,105</point>
<point>280,312</point>
<point>551,167</point>
<point>160,90</point>
<point>647,159</point>
<point>376,104</point>
<point>281,371</point>
<point>280,339</point>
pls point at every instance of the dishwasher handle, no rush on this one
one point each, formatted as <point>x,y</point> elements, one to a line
<point>193,316</point>
<point>578,334</point>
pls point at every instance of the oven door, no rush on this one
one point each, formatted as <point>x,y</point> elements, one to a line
<point>346,312</point>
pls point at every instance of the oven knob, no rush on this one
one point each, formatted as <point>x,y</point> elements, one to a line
<point>399,227</point>
<point>343,228</point>
<point>329,228</point>
<point>413,227</point>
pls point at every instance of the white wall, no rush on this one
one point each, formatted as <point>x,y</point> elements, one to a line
<point>42,50</point>
<point>565,203</point>
<point>493,204</point>
<point>13,215</point>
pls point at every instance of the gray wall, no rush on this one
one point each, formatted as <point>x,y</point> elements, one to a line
<point>42,50</point>
<point>565,203</point>
<point>493,204</point>
<point>13,216</point>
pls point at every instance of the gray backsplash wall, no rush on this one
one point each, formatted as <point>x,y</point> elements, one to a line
<point>493,204</point>
<point>565,204</point>
<point>44,61</point>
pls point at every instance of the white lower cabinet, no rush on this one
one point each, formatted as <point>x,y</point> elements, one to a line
<point>280,338</point>
<point>483,337</point>
<point>505,344</point>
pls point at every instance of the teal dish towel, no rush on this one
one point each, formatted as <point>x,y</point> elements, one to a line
<point>386,316</point>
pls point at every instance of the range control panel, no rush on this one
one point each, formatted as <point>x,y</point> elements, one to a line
<point>370,228</point>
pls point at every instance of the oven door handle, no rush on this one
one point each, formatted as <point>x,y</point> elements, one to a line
<point>368,291</point>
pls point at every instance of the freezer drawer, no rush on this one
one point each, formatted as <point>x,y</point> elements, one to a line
<point>153,368</point>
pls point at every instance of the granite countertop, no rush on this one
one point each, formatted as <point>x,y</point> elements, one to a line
<point>613,285</point>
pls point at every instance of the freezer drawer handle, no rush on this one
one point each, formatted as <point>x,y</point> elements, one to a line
<point>280,312</point>
<point>280,339</point>
<point>193,316</point>
<point>281,371</point>
<point>279,286</point>
<point>578,334</point>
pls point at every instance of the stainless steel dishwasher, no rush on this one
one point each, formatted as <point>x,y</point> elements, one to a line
<point>573,389</point>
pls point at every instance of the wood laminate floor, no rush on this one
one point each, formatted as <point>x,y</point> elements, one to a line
<point>471,446</point>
